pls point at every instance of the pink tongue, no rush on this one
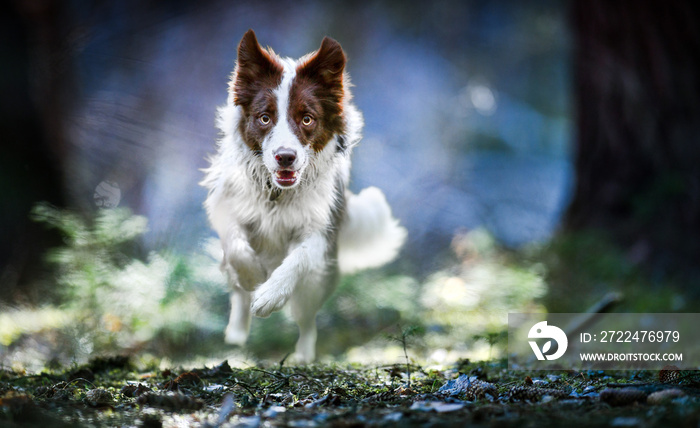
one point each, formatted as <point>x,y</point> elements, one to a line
<point>285,175</point>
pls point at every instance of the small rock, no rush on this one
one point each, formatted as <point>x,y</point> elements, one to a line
<point>437,406</point>
<point>625,421</point>
<point>546,399</point>
<point>393,417</point>
<point>622,396</point>
<point>273,411</point>
<point>660,397</point>
<point>98,397</point>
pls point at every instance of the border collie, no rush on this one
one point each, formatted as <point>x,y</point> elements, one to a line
<point>277,189</point>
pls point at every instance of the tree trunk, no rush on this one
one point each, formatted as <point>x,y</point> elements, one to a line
<point>36,82</point>
<point>637,91</point>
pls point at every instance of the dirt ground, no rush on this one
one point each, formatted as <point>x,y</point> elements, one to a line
<point>112,392</point>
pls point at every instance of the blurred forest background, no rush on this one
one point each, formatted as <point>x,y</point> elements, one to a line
<point>542,154</point>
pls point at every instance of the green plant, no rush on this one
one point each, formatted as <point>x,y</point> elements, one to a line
<point>118,301</point>
<point>403,338</point>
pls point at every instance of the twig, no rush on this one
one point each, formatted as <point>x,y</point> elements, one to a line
<point>284,359</point>
<point>593,313</point>
<point>408,363</point>
<point>244,386</point>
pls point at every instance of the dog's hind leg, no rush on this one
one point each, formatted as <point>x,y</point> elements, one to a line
<point>306,344</point>
<point>305,302</point>
<point>239,320</point>
<point>304,313</point>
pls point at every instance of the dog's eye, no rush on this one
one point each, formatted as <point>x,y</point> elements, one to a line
<point>307,120</point>
<point>264,119</point>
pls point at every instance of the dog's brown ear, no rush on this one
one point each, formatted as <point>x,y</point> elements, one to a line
<point>322,74</point>
<point>250,53</point>
<point>327,63</point>
<point>256,68</point>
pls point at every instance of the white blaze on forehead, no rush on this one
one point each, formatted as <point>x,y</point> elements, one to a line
<point>282,135</point>
<point>282,91</point>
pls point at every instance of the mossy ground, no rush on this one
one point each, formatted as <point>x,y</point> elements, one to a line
<point>112,392</point>
<point>105,311</point>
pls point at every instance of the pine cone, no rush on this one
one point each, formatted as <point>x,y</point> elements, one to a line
<point>379,397</point>
<point>478,389</point>
<point>471,387</point>
<point>669,374</point>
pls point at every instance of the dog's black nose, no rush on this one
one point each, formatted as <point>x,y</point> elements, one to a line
<point>285,157</point>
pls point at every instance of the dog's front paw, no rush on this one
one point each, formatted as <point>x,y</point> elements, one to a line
<point>246,268</point>
<point>249,274</point>
<point>268,299</point>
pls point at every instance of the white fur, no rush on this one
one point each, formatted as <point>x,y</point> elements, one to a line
<point>283,251</point>
<point>370,237</point>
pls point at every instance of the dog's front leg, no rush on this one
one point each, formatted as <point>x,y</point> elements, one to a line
<point>240,262</point>
<point>306,257</point>
<point>244,273</point>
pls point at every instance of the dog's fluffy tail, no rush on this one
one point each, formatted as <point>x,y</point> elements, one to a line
<point>370,236</point>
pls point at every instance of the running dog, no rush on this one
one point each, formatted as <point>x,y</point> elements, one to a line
<point>277,189</point>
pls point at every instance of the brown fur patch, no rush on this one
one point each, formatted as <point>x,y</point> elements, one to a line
<point>256,75</point>
<point>317,91</point>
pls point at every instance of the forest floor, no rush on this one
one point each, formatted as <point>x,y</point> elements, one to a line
<point>112,392</point>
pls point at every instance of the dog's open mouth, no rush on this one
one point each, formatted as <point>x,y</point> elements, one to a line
<point>285,177</point>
